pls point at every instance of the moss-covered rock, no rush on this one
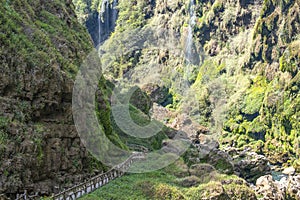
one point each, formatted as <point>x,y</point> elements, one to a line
<point>42,48</point>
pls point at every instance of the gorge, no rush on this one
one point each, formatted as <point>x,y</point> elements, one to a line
<point>222,74</point>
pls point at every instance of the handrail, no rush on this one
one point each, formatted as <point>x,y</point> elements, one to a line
<point>93,183</point>
<point>138,148</point>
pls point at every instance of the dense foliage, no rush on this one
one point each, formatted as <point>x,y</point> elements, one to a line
<point>246,84</point>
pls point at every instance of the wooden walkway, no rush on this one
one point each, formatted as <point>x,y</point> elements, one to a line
<point>92,184</point>
<point>138,148</point>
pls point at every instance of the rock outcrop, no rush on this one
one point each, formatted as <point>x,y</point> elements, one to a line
<point>99,17</point>
<point>267,187</point>
<point>41,51</point>
<point>249,165</point>
<point>286,188</point>
<point>246,74</point>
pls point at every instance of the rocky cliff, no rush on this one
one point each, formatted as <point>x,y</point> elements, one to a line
<point>99,17</point>
<point>244,74</point>
<point>232,66</point>
<point>42,47</point>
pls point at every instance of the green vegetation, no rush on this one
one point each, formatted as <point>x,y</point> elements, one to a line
<point>250,87</point>
<point>243,85</point>
<point>83,8</point>
<point>39,32</point>
<point>246,89</point>
<point>134,186</point>
<point>113,132</point>
<point>163,184</point>
<point>3,130</point>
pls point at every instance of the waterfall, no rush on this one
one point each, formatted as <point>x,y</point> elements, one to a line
<point>102,20</point>
<point>189,40</point>
<point>107,17</point>
<point>114,13</point>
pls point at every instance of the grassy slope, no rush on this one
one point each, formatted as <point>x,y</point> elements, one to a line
<point>34,32</point>
<point>164,185</point>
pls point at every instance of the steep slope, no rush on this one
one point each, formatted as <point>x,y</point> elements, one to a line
<point>267,114</point>
<point>244,72</point>
<point>42,47</point>
<point>232,66</point>
<point>99,17</point>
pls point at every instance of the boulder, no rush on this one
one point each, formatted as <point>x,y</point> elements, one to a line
<point>208,151</point>
<point>200,170</point>
<point>189,181</point>
<point>293,187</point>
<point>250,165</point>
<point>158,94</point>
<point>266,188</point>
<point>289,171</point>
<point>238,189</point>
<point>221,161</point>
<point>206,148</point>
<point>216,192</point>
<point>285,188</point>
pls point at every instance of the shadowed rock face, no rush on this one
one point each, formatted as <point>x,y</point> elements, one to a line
<point>249,165</point>
<point>40,149</point>
<point>102,23</point>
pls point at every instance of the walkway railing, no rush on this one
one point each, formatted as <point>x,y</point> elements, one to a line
<point>139,148</point>
<point>92,184</point>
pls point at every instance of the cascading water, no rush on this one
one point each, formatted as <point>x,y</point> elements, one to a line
<point>189,40</point>
<point>190,56</point>
<point>103,20</point>
<point>99,28</point>
<point>107,18</point>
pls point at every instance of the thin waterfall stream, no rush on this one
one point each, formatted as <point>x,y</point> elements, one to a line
<point>189,45</point>
<point>189,40</point>
<point>99,29</point>
<point>107,17</point>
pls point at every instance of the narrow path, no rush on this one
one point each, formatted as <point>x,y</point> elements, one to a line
<point>93,183</point>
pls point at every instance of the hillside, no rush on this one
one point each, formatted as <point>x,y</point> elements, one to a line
<point>42,47</point>
<point>208,89</point>
<point>242,66</point>
<point>232,67</point>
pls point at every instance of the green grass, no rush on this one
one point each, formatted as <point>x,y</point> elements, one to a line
<point>133,187</point>
<point>141,119</point>
<point>34,36</point>
<point>163,185</point>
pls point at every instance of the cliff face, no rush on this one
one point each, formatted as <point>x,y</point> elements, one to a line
<point>244,75</point>
<point>266,116</point>
<point>42,46</point>
<point>99,17</point>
